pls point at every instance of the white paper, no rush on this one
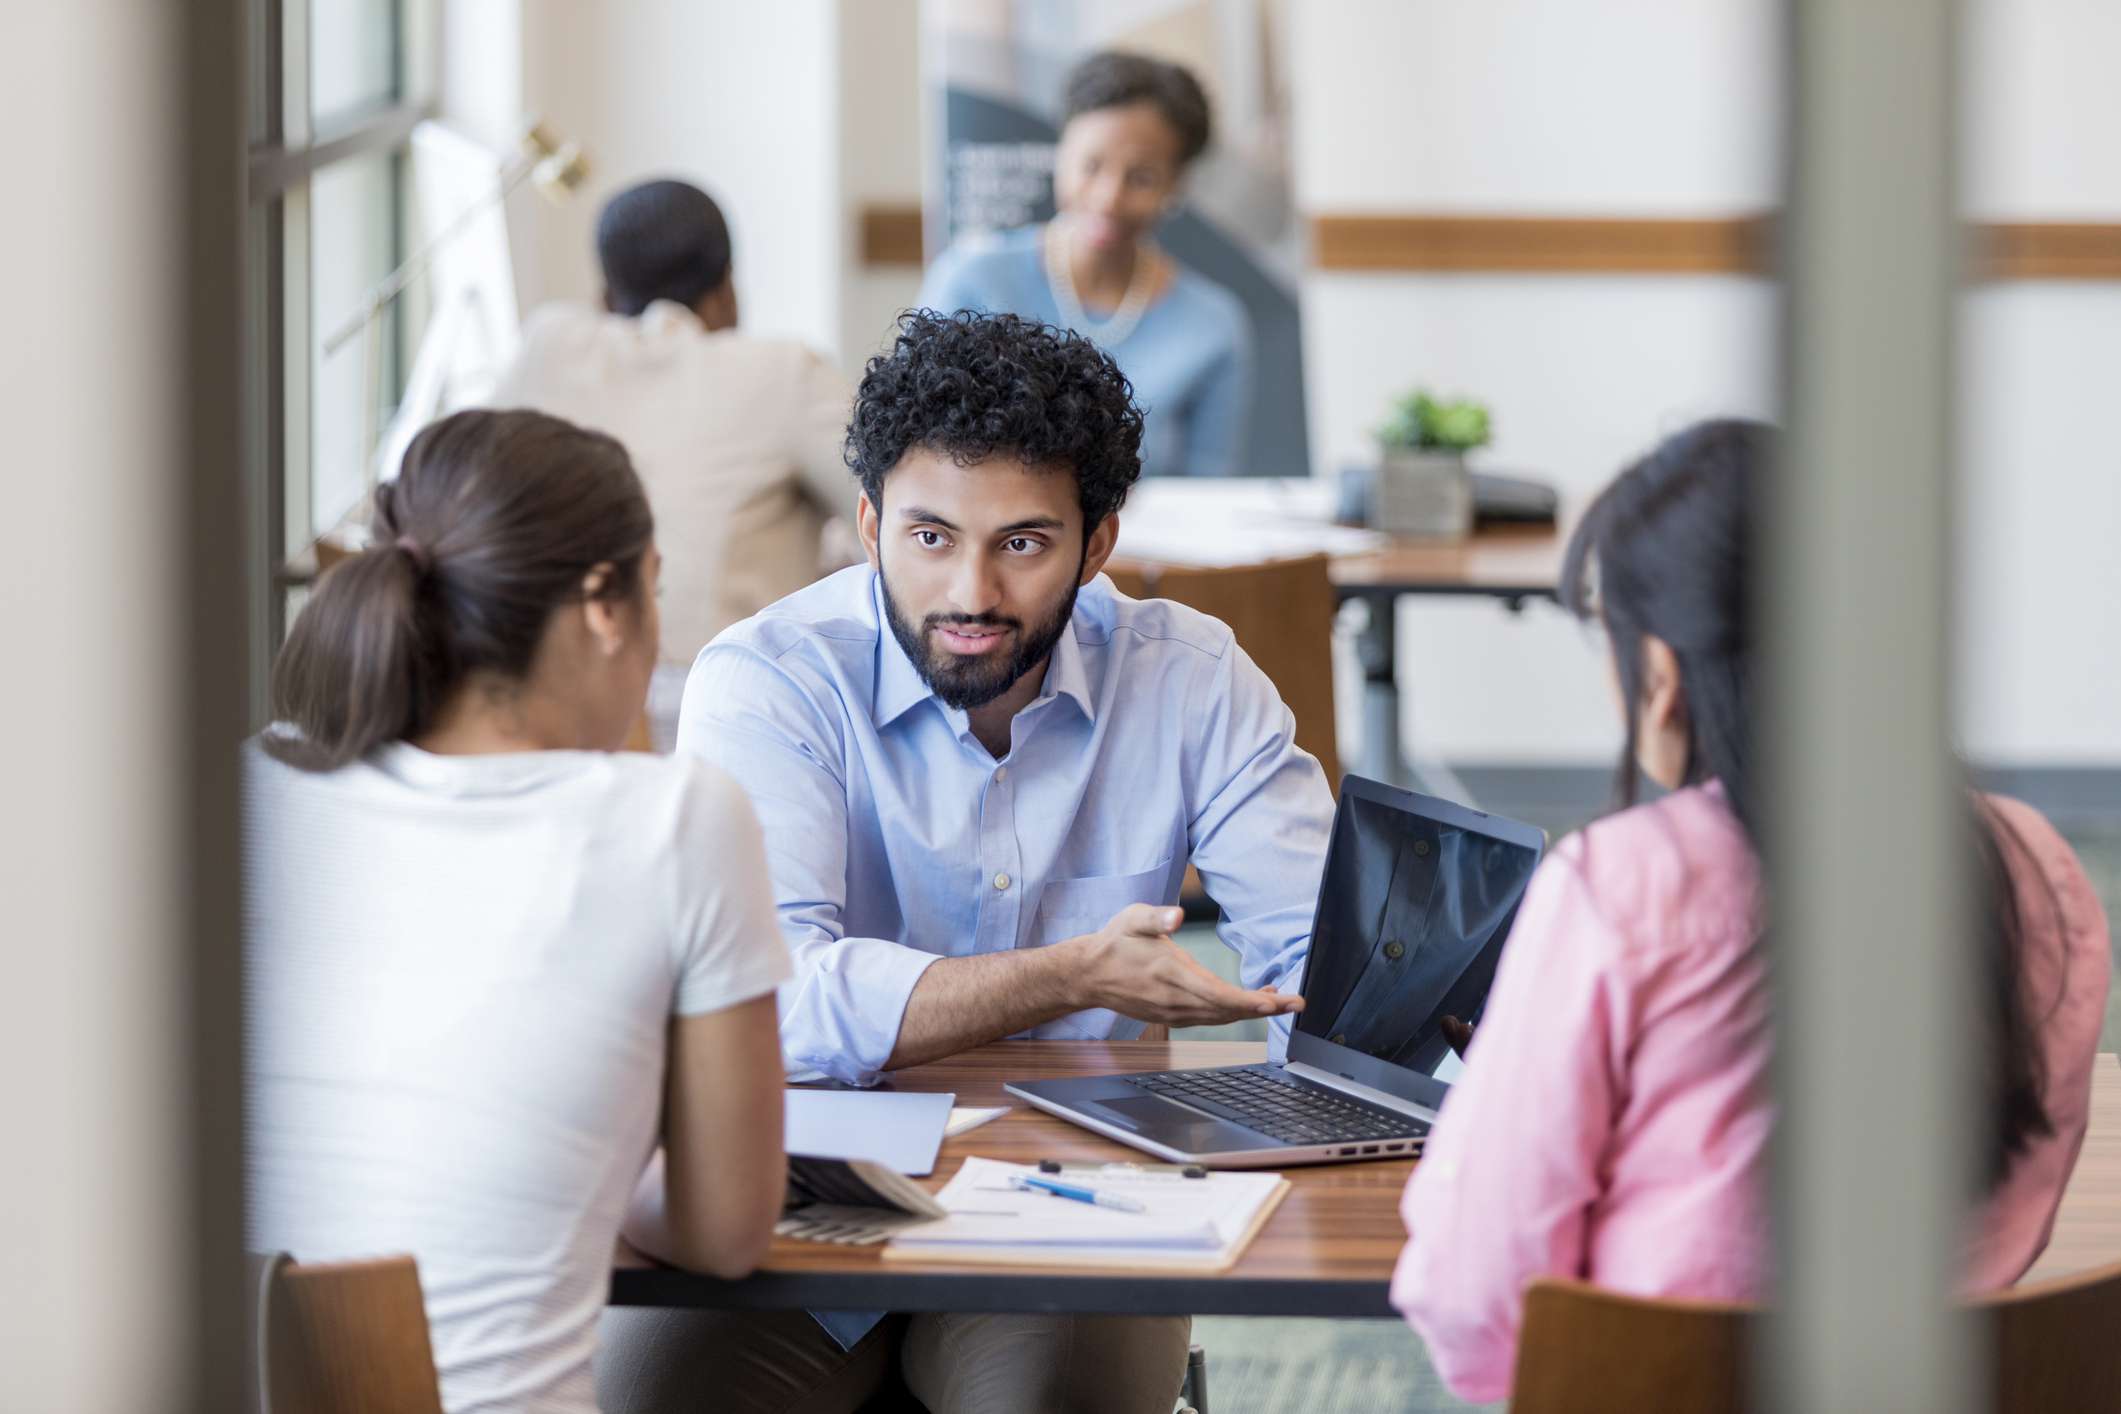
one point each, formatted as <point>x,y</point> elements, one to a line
<point>899,1129</point>
<point>965,1118</point>
<point>1220,521</point>
<point>1192,1215</point>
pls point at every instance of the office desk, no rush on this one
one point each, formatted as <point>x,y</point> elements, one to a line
<point>2088,1225</point>
<point>1510,563</point>
<point>1326,1251</point>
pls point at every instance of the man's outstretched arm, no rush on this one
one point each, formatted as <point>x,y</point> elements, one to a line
<point>1130,966</point>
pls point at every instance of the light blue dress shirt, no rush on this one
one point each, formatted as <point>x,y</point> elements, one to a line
<point>895,838</point>
<point>1189,359</point>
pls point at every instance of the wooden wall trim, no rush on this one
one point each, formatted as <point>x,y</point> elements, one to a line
<point>891,235</point>
<point>2049,250</point>
<point>1733,245</point>
<point>1582,245</point>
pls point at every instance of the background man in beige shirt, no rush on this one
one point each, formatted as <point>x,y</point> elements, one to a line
<point>738,439</point>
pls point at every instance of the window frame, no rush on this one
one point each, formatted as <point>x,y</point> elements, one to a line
<point>287,150</point>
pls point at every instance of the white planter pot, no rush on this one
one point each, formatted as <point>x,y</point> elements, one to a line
<point>1423,493</point>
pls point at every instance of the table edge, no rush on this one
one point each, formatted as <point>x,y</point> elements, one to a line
<point>1016,1290</point>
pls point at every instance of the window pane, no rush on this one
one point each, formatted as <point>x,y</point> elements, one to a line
<point>353,228</point>
<point>353,56</point>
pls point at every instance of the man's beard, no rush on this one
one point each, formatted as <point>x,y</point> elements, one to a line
<point>965,683</point>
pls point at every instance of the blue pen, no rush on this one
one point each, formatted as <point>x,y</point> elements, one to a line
<point>1077,1193</point>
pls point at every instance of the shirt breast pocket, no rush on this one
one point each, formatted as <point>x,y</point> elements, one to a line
<point>1069,908</point>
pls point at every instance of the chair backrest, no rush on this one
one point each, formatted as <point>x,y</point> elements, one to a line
<point>343,1338</point>
<point>2055,1343</point>
<point>1584,1349</point>
<point>1282,613</point>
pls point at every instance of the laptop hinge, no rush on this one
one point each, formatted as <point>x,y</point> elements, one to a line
<point>1361,1091</point>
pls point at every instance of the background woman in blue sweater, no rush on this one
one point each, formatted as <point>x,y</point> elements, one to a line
<point>1130,126</point>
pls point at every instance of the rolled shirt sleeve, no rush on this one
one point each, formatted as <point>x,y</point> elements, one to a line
<point>1258,837</point>
<point>841,1010</point>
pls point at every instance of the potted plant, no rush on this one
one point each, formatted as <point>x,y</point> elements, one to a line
<point>1422,484</point>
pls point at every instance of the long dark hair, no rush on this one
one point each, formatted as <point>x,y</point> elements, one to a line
<point>1667,550</point>
<point>494,521</point>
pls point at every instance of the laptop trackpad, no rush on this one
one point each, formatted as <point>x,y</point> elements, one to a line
<point>1169,1124</point>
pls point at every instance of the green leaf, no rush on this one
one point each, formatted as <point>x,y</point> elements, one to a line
<point>1419,420</point>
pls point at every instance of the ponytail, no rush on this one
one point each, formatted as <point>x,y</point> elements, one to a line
<point>353,673</point>
<point>493,523</point>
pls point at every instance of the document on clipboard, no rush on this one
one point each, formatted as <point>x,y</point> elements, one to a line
<point>1182,1224</point>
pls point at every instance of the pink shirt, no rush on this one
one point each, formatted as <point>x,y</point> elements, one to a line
<point>1612,1122</point>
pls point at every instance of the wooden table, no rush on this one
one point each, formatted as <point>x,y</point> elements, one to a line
<point>1328,1249</point>
<point>2088,1225</point>
<point>1510,563</point>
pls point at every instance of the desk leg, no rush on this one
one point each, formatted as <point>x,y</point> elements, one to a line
<point>1377,648</point>
<point>1384,756</point>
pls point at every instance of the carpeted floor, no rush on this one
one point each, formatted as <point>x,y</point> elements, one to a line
<point>1263,1366</point>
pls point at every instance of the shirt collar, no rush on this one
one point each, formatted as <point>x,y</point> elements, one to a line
<point>899,685</point>
<point>898,682</point>
<point>664,316</point>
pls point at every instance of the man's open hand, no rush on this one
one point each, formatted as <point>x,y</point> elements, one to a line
<point>1131,966</point>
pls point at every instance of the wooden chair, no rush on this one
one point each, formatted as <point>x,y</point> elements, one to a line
<point>1282,612</point>
<point>1584,1349</point>
<point>341,1338</point>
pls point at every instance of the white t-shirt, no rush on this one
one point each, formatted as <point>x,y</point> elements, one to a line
<point>737,439</point>
<point>460,977</point>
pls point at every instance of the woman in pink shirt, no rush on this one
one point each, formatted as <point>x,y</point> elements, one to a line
<point>1613,1121</point>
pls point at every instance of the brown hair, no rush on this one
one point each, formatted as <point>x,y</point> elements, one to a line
<point>492,524</point>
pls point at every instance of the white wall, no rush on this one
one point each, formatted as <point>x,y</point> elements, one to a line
<point>1639,107</point>
<point>880,156</point>
<point>793,115</point>
<point>1626,108</point>
<point>92,1061</point>
<point>1506,106</point>
<point>2040,587</point>
<point>740,99</point>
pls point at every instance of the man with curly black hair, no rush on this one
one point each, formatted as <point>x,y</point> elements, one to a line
<point>982,772</point>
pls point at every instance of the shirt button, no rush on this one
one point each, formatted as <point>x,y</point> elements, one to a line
<point>1421,848</point>
<point>1001,881</point>
<point>1001,773</point>
<point>1395,950</point>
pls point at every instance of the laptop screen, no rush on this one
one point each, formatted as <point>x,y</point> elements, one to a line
<point>1410,925</point>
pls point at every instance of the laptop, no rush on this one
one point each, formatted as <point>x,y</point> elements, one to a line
<point>1417,897</point>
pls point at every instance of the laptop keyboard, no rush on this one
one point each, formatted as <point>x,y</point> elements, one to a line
<point>1280,1106</point>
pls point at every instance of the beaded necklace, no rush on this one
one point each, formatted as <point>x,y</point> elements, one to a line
<point>1132,305</point>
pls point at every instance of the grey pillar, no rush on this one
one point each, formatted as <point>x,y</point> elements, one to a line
<point>1866,858</point>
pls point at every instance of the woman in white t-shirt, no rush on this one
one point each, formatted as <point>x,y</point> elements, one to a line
<point>492,961</point>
